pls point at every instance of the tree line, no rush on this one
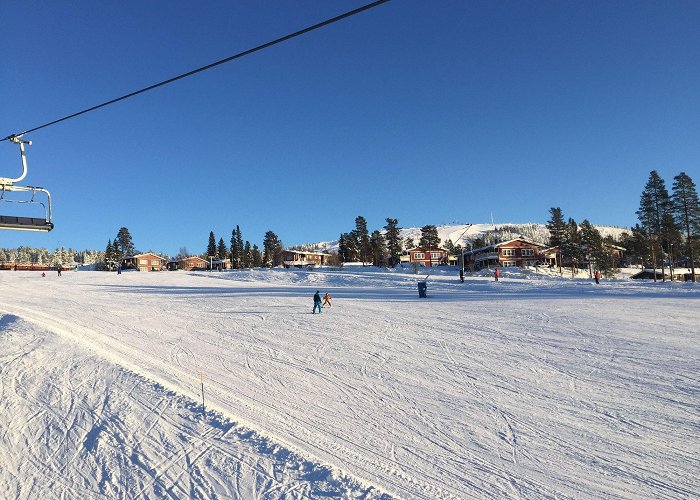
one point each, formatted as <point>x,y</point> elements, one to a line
<point>667,235</point>
<point>241,254</point>
<point>383,248</point>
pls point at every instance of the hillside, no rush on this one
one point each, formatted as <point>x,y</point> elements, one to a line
<point>466,234</point>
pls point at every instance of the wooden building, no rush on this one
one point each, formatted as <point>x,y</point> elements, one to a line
<point>517,252</point>
<point>428,256</point>
<point>188,264</point>
<point>297,258</point>
<point>144,262</point>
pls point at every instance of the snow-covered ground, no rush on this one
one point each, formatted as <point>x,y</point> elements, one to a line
<point>535,386</point>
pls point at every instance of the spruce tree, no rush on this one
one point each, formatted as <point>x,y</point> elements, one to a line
<point>126,244</point>
<point>686,211</point>
<point>221,250</point>
<point>557,230</point>
<point>409,243</point>
<point>654,204</point>
<point>393,241</point>
<point>239,247</point>
<point>233,254</point>
<point>257,256</point>
<point>247,255</point>
<point>211,247</point>
<point>109,255</point>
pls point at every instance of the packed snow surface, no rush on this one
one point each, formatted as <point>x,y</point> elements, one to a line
<point>534,386</point>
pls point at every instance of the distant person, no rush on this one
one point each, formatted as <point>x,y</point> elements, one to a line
<point>327,300</point>
<point>597,277</point>
<point>43,274</point>
<point>58,269</point>
<point>317,302</point>
<point>119,269</point>
<point>496,274</point>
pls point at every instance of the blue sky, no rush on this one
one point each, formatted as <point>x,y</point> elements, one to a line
<point>429,112</point>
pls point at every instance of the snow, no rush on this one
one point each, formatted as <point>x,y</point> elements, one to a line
<point>536,386</point>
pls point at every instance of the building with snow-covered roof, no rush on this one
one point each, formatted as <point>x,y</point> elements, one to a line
<point>298,258</point>
<point>144,262</point>
<point>517,252</point>
<point>187,264</point>
<point>433,256</point>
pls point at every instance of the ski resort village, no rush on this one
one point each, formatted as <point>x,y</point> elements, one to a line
<point>377,250</point>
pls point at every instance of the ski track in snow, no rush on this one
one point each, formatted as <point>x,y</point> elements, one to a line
<point>526,388</point>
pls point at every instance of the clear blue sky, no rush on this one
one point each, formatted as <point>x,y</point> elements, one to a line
<point>430,112</point>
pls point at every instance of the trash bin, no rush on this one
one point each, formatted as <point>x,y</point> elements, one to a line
<point>423,289</point>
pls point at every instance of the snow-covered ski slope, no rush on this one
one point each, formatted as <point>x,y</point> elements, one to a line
<point>533,387</point>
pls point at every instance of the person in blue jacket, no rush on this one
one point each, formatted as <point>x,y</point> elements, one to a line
<point>317,302</point>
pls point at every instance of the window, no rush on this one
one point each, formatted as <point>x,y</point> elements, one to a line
<point>527,252</point>
<point>509,263</point>
<point>509,252</point>
<point>155,263</point>
<point>419,255</point>
<point>143,261</point>
<point>434,255</point>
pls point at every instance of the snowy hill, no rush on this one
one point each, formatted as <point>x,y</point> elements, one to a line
<point>466,234</point>
<point>532,387</point>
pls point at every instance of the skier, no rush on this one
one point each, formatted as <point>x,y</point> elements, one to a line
<point>327,300</point>
<point>597,277</point>
<point>496,274</point>
<point>59,270</point>
<point>317,302</point>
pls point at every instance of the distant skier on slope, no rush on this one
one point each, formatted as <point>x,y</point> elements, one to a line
<point>327,300</point>
<point>496,274</point>
<point>317,302</point>
<point>597,277</point>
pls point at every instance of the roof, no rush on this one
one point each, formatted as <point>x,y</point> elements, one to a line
<point>423,249</point>
<point>307,253</point>
<point>502,243</point>
<point>144,254</point>
<point>189,258</point>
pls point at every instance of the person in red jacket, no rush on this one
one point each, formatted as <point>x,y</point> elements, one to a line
<point>597,277</point>
<point>496,274</point>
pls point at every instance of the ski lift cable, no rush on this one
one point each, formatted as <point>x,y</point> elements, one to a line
<point>208,66</point>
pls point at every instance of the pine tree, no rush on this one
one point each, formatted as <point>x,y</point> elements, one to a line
<point>393,241</point>
<point>362,237</point>
<point>126,244</point>
<point>429,239</point>
<point>347,247</point>
<point>686,210</point>
<point>557,230</point>
<point>221,250</point>
<point>592,247</point>
<point>211,247</point>
<point>378,249</point>
<point>272,249</point>
<point>654,204</point>
<point>409,243</point>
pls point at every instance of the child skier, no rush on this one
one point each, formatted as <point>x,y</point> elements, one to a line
<point>327,300</point>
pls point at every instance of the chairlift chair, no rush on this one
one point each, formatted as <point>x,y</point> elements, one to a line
<point>8,185</point>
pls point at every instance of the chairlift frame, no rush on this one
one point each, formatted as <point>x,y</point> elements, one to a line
<point>9,185</point>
